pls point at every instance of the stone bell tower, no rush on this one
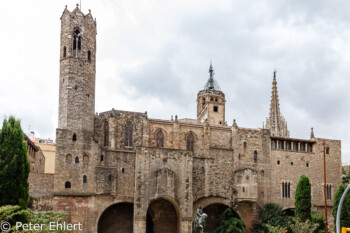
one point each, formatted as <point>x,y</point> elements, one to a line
<point>211,102</point>
<point>77,71</point>
<point>74,135</point>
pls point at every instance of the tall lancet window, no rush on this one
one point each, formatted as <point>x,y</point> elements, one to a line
<point>128,134</point>
<point>160,139</point>
<point>190,142</point>
<point>77,40</point>
<point>106,133</point>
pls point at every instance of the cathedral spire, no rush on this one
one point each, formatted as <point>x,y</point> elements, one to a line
<point>211,83</point>
<point>276,122</point>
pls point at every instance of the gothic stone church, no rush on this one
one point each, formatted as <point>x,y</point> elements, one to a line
<point>120,171</point>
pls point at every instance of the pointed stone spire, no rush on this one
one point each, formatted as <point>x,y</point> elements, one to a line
<point>312,133</point>
<point>276,122</point>
<point>211,83</point>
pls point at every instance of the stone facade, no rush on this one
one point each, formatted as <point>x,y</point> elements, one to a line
<point>35,156</point>
<point>120,171</point>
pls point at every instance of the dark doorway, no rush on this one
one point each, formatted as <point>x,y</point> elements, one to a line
<point>161,217</point>
<point>213,211</point>
<point>117,218</point>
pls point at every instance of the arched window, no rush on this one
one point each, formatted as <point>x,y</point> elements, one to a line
<point>101,158</point>
<point>77,159</point>
<point>84,179</point>
<point>89,55</point>
<point>255,156</point>
<point>74,138</point>
<point>76,39</point>
<point>160,139</point>
<point>190,142</point>
<point>128,134</point>
<point>244,145</point>
<point>106,133</point>
<point>67,185</point>
<point>64,51</point>
<point>110,178</point>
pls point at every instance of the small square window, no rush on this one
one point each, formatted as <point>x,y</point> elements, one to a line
<point>307,164</point>
<point>291,163</point>
<point>215,108</point>
<point>278,162</point>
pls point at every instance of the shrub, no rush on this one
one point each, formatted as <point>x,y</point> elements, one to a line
<point>229,223</point>
<point>303,199</point>
<point>270,215</point>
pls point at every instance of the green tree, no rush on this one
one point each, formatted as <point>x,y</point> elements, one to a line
<point>14,166</point>
<point>229,223</point>
<point>270,215</point>
<point>345,211</point>
<point>303,199</point>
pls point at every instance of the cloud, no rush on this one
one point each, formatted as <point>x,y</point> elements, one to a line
<point>154,56</point>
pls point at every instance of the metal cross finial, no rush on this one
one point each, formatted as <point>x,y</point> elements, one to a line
<point>274,74</point>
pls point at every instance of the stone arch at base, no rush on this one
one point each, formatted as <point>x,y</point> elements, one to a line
<point>248,211</point>
<point>213,207</point>
<point>163,216</point>
<point>116,218</point>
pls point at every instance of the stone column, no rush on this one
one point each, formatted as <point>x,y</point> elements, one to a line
<point>139,224</point>
<point>186,225</point>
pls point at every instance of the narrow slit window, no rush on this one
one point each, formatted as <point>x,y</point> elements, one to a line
<point>64,51</point>
<point>255,156</point>
<point>89,55</point>
<point>84,179</point>
<point>106,133</point>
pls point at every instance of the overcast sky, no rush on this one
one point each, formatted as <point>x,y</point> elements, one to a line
<point>154,56</point>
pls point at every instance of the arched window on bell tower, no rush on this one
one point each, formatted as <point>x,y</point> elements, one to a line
<point>106,133</point>
<point>77,40</point>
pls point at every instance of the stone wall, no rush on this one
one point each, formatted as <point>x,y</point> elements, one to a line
<point>40,184</point>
